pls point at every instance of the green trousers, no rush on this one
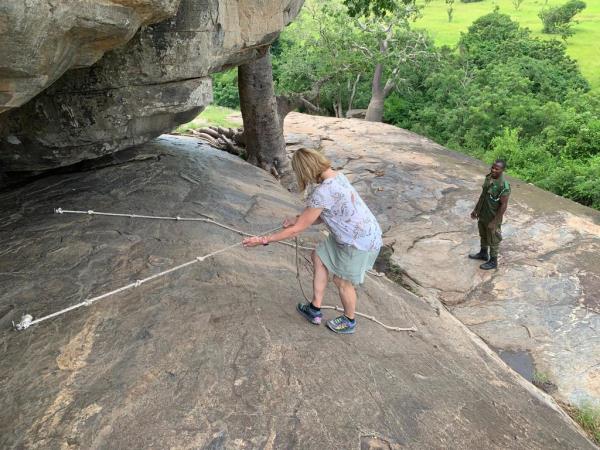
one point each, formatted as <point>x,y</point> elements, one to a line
<point>490,238</point>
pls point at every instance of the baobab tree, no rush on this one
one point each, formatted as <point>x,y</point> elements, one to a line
<point>378,37</point>
<point>370,49</point>
<point>263,114</point>
<point>263,128</point>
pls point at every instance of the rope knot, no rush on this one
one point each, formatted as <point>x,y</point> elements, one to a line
<point>90,212</point>
<point>177,218</point>
<point>24,323</point>
<point>87,302</point>
<point>200,258</point>
<point>58,210</point>
<point>138,283</point>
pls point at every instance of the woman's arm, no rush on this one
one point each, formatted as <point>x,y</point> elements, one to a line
<point>305,220</point>
<point>289,221</point>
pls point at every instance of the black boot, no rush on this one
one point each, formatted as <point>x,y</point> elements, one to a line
<point>491,264</point>
<point>483,254</point>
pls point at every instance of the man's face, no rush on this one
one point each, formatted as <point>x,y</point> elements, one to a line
<point>497,170</point>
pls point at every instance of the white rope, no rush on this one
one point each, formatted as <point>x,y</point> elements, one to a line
<point>387,327</point>
<point>27,319</point>
<point>176,218</point>
<point>184,219</point>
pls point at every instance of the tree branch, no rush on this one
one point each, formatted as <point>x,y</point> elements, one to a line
<point>353,92</point>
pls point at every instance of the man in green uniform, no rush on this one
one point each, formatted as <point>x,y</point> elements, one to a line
<point>489,211</point>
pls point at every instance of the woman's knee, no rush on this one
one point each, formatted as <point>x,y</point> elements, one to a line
<point>341,283</point>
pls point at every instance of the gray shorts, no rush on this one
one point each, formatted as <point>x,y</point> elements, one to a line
<point>346,261</point>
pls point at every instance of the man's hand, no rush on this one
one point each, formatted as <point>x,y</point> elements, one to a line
<point>474,215</point>
<point>290,221</point>
<point>492,225</point>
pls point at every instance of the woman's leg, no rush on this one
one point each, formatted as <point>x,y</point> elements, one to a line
<point>347,295</point>
<point>320,280</point>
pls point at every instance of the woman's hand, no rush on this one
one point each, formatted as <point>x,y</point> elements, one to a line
<point>254,241</point>
<point>301,223</point>
<point>290,221</point>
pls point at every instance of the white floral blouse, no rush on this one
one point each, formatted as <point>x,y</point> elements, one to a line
<point>346,215</point>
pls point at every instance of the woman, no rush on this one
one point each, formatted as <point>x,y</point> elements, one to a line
<point>353,243</point>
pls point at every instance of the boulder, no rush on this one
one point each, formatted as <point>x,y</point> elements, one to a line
<point>214,355</point>
<point>156,81</point>
<point>42,39</point>
<point>540,308</point>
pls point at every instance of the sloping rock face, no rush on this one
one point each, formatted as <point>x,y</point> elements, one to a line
<point>215,356</point>
<point>542,303</point>
<point>138,91</point>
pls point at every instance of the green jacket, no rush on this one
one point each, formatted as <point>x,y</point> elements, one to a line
<point>489,200</point>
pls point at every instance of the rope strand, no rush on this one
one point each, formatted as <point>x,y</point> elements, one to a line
<point>176,218</point>
<point>27,319</point>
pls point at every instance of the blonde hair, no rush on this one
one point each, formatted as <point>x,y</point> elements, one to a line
<point>308,165</point>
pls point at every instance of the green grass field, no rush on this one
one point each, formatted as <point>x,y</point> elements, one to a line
<point>213,115</point>
<point>583,46</point>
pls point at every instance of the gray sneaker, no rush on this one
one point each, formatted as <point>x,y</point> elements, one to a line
<point>341,325</point>
<point>309,314</point>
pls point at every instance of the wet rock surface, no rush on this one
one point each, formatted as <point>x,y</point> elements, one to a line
<point>215,355</point>
<point>156,81</point>
<point>544,298</point>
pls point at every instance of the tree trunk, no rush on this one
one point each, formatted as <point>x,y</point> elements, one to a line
<point>353,93</point>
<point>375,108</point>
<point>263,129</point>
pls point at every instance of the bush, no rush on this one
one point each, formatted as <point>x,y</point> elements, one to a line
<point>558,20</point>
<point>225,89</point>
<point>526,160</point>
<point>576,180</point>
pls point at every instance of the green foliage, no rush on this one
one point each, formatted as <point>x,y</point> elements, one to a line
<point>558,20</point>
<point>315,48</point>
<point>581,46</point>
<point>377,8</point>
<point>540,378</point>
<point>565,157</point>
<point>588,417</point>
<point>501,93</point>
<point>327,47</point>
<point>471,1</point>
<point>225,89</point>
<point>212,115</point>
<point>574,131</point>
<point>509,95</point>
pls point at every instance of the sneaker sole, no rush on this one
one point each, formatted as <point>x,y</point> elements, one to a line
<point>314,321</point>
<point>348,331</point>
